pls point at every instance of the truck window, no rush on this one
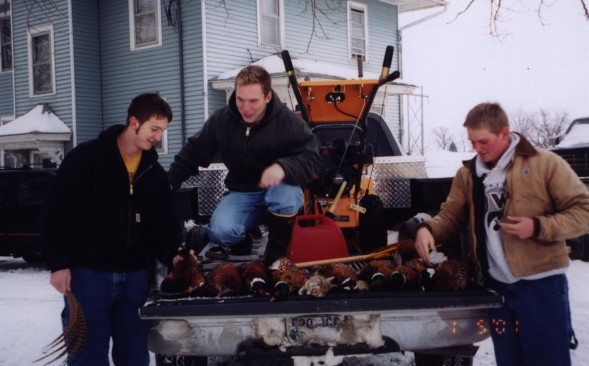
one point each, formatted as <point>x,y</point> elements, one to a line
<point>33,188</point>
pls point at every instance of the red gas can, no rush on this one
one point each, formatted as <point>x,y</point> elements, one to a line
<point>316,237</point>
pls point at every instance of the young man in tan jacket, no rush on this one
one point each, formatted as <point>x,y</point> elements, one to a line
<point>519,203</point>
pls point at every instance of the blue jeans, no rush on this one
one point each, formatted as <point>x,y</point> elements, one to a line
<point>241,211</point>
<point>110,301</point>
<point>534,325</point>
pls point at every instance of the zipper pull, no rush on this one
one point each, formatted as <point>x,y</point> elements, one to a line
<point>247,131</point>
<point>131,189</point>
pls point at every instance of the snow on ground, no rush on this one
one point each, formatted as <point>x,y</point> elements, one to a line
<point>30,308</point>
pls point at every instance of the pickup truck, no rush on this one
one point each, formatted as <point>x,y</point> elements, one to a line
<point>440,327</point>
<point>22,193</point>
<point>573,147</point>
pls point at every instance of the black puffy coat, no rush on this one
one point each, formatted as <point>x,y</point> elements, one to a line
<point>281,137</point>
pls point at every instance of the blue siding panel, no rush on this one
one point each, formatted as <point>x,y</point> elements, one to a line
<point>88,95</point>
<point>6,94</point>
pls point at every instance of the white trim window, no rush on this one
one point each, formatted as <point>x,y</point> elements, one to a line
<point>145,23</point>
<point>357,30</point>
<point>162,146</point>
<point>6,61</point>
<point>271,23</point>
<point>41,61</point>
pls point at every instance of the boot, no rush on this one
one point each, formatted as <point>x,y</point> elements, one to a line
<point>196,238</point>
<point>279,235</point>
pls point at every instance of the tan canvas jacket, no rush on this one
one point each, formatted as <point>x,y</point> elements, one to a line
<point>539,184</point>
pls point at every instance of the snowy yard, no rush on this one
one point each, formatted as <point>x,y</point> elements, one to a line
<point>30,307</point>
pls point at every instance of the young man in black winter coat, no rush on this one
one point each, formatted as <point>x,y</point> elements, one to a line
<point>107,215</point>
<point>270,153</point>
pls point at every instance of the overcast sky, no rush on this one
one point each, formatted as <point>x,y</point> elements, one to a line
<point>535,64</point>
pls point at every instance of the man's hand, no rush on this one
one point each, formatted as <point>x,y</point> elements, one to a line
<point>272,176</point>
<point>424,242</point>
<point>61,280</point>
<point>522,227</point>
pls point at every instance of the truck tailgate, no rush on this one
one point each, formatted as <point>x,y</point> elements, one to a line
<point>375,320</point>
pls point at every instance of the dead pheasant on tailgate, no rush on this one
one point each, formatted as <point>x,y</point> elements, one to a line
<point>377,273</point>
<point>344,276</point>
<point>286,278</point>
<point>185,276</point>
<point>254,278</point>
<point>405,278</point>
<point>452,274</point>
<point>223,280</point>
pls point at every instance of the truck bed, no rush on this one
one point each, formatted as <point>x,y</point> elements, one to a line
<point>367,322</point>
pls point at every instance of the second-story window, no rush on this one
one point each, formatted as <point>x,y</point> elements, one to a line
<point>5,38</point>
<point>41,61</point>
<point>358,30</point>
<point>145,22</point>
<point>270,23</point>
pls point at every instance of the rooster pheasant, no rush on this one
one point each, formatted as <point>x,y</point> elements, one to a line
<point>344,276</point>
<point>287,278</point>
<point>254,278</point>
<point>185,276</point>
<point>223,280</point>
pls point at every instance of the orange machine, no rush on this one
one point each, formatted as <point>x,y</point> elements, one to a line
<point>336,111</point>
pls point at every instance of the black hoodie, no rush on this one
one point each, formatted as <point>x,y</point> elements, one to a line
<point>92,220</point>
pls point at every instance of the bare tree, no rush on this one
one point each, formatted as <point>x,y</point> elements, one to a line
<point>443,137</point>
<point>498,7</point>
<point>540,127</point>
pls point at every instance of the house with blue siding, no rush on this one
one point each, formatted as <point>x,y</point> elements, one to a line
<point>82,61</point>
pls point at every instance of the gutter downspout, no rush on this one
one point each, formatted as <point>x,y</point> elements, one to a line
<point>181,67</point>
<point>72,78</point>
<point>205,70</point>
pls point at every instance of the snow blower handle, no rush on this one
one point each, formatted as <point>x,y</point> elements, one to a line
<point>292,78</point>
<point>386,63</point>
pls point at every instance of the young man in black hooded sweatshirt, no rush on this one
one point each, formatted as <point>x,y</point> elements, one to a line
<point>108,214</point>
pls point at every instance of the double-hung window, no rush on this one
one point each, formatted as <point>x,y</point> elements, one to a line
<point>145,22</point>
<point>5,37</point>
<point>357,30</point>
<point>41,61</point>
<point>271,23</point>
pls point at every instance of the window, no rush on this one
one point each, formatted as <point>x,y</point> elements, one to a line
<point>41,61</point>
<point>357,30</point>
<point>270,23</point>
<point>5,38</point>
<point>145,22</point>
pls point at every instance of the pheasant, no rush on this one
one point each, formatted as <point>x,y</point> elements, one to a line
<point>287,278</point>
<point>345,277</point>
<point>451,275</point>
<point>377,273</point>
<point>223,280</point>
<point>254,278</point>
<point>185,276</point>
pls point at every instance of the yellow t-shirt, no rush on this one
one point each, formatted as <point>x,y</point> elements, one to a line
<point>132,163</point>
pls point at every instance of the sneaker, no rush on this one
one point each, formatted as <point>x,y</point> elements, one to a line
<point>218,252</point>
